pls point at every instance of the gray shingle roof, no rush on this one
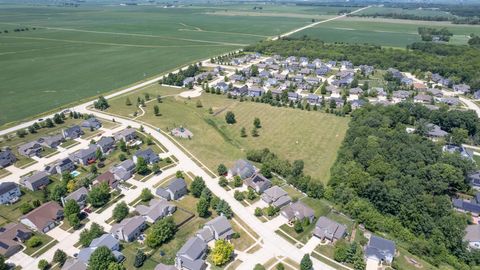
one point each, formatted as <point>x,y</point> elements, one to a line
<point>380,248</point>
<point>6,187</point>
<point>329,229</point>
<point>472,233</point>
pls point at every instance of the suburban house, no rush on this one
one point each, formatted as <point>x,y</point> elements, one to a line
<point>358,103</point>
<point>35,181</point>
<point>129,229</point>
<point>91,123</point>
<point>327,229</point>
<point>474,179</point>
<point>255,91</point>
<point>107,240</point>
<point>293,96</point>
<point>106,144</point>
<point>222,86</point>
<point>148,155</point>
<point>258,182</point>
<point>74,264</point>
<point>85,156</point>
<point>124,170</point>
<point>64,165</point>
<point>450,101</point>
<point>106,177</point>
<point>276,196</point>
<point>355,93</point>
<point>9,192</point>
<point>43,218</point>
<point>156,209</point>
<point>242,168</point>
<point>80,196</point>
<point>400,95</point>
<point>298,211</point>
<point>472,236</point>
<point>462,151</point>
<point>72,132</point>
<point>126,135</point>
<point>162,266</point>
<point>380,250</point>
<point>192,255</point>
<point>313,99</point>
<point>472,206</point>
<point>11,237</point>
<point>7,158</point>
<point>435,132</point>
<point>421,98</point>
<point>188,81</point>
<point>174,191</point>
<point>51,141</point>
<point>461,88</point>
<point>239,91</point>
<point>217,228</point>
<point>418,86</point>
<point>30,149</point>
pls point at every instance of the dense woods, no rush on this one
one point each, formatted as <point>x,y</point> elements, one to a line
<point>401,183</point>
<point>459,63</point>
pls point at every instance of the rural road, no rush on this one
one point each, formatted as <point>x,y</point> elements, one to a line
<point>317,23</point>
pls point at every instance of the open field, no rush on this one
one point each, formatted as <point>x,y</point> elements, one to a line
<point>78,53</point>
<point>385,32</point>
<point>292,134</point>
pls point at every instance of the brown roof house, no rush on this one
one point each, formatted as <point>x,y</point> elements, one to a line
<point>11,237</point>
<point>43,218</point>
<point>106,177</point>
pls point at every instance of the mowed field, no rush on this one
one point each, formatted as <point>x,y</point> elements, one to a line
<point>76,53</point>
<point>291,133</point>
<point>385,32</point>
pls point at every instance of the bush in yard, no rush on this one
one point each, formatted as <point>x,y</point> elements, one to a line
<point>120,211</point>
<point>259,267</point>
<point>251,195</point>
<point>25,208</point>
<point>306,263</point>
<point>237,181</point>
<point>258,212</point>
<point>43,264</point>
<point>34,241</point>
<point>221,253</point>
<point>146,195</point>
<point>59,257</point>
<point>230,118</point>
<point>297,226</point>
<point>280,266</point>
<point>161,232</point>
<point>101,258</point>
<point>99,195</point>
<point>222,181</point>
<point>238,195</point>
<point>140,257</point>
<point>222,169</point>
<point>197,186</point>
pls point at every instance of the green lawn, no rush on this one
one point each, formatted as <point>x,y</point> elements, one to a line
<point>76,53</point>
<point>12,212</point>
<point>43,247</point>
<point>293,134</point>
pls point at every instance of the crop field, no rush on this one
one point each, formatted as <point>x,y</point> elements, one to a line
<point>385,32</point>
<point>292,134</point>
<point>76,53</point>
<point>416,12</point>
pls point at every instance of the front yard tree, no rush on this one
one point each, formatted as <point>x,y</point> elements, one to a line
<point>128,102</point>
<point>237,181</point>
<point>74,221</point>
<point>71,210</point>
<point>58,192</point>
<point>160,232</point>
<point>156,110</point>
<point>101,104</point>
<point>254,132</point>
<point>230,118</point>
<point>222,169</point>
<point>224,208</point>
<point>258,212</point>
<point>256,122</point>
<point>3,265</point>
<point>99,195</point>
<point>202,208</point>
<point>120,211</point>
<point>142,166</point>
<point>49,123</point>
<point>222,181</point>
<point>243,132</point>
<point>116,266</point>
<point>43,264</point>
<point>146,195</point>
<point>238,195</point>
<point>59,257</point>
<point>197,186</point>
<point>306,263</point>
<point>101,258</point>
<point>458,136</point>
<point>140,257</point>
<point>123,146</point>
<point>222,252</point>
<point>297,226</point>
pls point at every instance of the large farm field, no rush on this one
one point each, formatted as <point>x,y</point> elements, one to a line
<point>291,133</point>
<point>384,32</point>
<point>76,53</point>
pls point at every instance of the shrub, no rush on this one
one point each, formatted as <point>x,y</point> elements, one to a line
<point>33,242</point>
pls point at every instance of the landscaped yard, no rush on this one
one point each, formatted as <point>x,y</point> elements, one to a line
<point>12,212</point>
<point>292,134</point>
<point>43,247</point>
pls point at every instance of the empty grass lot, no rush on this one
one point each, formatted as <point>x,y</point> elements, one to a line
<point>291,133</point>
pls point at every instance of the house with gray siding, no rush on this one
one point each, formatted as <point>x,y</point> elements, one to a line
<point>36,180</point>
<point>192,255</point>
<point>174,191</point>
<point>129,229</point>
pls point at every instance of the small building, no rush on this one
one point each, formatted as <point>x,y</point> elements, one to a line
<point>106,144</point>
<point>156,209</point>
<point>176,189</point>
<point>450,101</point>
<point>380,249</point>
<point>258,182</point>
<point>91,123</point>
<point>12,236</point>
<point>298,211</point>
<point>30,149</point>
<point>126,135</point>
<point>462,151</point>
<point>472,236</point>
<point>276,196</point>
<point>7,158</point>
<point>242,168</point>
<point>327,229</point>
<point>85,156</point>
<point>129,229</point>
<point>148,155</point>
<point>124,170</point>
<point>80,196</point>
<point>72,133</point>
<point>192,255</point>
<point>215,229</point>
<point>43,218</point>
<point>36,180</point>
<point>9,192</point>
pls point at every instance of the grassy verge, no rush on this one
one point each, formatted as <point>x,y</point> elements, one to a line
<point>45,240</point>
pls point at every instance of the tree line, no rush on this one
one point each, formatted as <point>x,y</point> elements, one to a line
<point>177,78</point>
